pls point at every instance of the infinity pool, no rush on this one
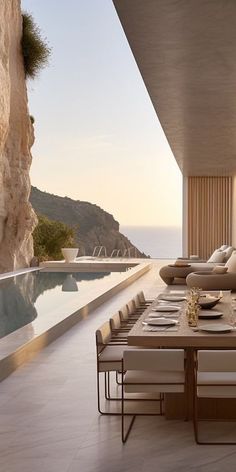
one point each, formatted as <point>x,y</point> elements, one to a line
<point>25,298</point>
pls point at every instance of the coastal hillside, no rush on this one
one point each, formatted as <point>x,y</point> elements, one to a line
<point>93,225</point>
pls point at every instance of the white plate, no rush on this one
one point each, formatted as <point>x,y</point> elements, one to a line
<point>152,316</point>
<point>216,328</point>
<point>210,314</point>
<point>160,322</point>
<point>165,308</point>
<point>177,292</point>
<point>172,298</point>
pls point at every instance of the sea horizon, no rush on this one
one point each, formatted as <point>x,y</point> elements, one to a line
<point>155,241</point>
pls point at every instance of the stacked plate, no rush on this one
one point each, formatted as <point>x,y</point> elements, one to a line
<point>165,311</point>
<point>160,322</point>
<point>216,328</point>
<point>172,298</point>
<point>165,308</point>
<point>210,314</point>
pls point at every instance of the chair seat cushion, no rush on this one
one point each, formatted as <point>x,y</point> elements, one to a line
<point>219,390</point>
<point>140,377</point>
<point>111,357</point>
<point>121,334</point>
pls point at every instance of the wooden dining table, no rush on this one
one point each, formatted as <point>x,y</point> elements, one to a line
<point>190,339</point>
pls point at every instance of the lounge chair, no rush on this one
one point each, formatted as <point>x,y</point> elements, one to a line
<point>213,280</point>
<point>171,272</point>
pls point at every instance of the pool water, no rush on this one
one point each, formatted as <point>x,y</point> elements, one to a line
<point>24,298</point>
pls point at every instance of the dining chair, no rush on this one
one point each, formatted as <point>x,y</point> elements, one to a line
<point>133,313</point>
<point>126,319</point>
<point>150,371</point>
<point>109,354</point>
<point>214,377</point>
<point>118,330</point>
<point>143,300</point>
<point>139,308</point>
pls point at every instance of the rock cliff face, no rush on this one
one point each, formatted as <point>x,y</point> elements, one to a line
<point>96,227</point>
<point>17,218</point>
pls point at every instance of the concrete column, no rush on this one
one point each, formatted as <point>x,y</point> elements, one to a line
<point>185,218</point>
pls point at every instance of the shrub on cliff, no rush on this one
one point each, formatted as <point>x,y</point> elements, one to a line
<point>35,49</point>
<point>49,237</point>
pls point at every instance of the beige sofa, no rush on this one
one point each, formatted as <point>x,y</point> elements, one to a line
<point>171,274</point>
<point>215,281</point>
<point>211,281</point>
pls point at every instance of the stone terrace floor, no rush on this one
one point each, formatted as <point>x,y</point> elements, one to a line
<point>49,420</point>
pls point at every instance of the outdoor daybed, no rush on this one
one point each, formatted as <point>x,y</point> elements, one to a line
<point>171,272</point>
<point>211,281</point>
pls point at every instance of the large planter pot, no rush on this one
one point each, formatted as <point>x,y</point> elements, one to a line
<point>69,253</point>
<point>69,284</point>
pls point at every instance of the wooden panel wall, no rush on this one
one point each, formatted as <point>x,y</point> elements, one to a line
<point>209,214</point>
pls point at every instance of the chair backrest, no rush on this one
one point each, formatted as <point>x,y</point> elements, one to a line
<point>154,360</point>
<point>131,307</point>
<point>124,313</point>
<point>115,321</point>
<point>217,361</point>
<point>103,335</point>
<point>136,301</point>
<point>141,297</point>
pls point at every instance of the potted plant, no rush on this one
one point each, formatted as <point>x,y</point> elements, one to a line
<point>70,253</point>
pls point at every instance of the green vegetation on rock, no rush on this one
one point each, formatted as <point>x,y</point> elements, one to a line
<point>49,237</point>
<point>96,226</point>
<point>35,49</point>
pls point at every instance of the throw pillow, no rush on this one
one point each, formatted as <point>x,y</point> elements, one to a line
<point>231,263</point>
<point>228,252</point>
<point>220,270</point>
<point>217,256</point>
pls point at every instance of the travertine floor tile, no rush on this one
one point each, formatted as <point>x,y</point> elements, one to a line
<point>49,420</point>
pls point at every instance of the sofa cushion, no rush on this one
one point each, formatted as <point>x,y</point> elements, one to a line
<point>228,252</point>
<point>231,263</point>
<point>220,270</point>
<point>217,256</point>
<point>223,247</point>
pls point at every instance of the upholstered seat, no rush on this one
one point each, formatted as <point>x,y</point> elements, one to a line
<point>151,371</point>
<point>170,273</point>
<point>110,358</point>
<point>219,380</point>
<point>210,281</point>
<point>215,377</point>
<point>140,377</point>
<point>214,281</point>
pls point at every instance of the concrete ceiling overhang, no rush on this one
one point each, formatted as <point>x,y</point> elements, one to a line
<point>186,53</point>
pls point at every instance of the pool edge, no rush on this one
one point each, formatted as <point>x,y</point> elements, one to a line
<point>27,351</point>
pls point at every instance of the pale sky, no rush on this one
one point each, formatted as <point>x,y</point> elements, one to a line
<point>98,138</point>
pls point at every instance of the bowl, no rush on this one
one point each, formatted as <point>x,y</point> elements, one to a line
<point>207,303</point>
<point>69,253</point>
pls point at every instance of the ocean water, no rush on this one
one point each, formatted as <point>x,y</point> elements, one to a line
<point>154,241</point>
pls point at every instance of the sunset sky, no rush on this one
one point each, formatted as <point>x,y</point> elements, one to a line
<point>97,135</point>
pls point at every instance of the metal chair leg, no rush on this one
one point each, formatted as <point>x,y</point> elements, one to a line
<point>124,436</point>
<point>99,400</point>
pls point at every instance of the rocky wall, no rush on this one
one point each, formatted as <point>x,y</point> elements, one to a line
<point>17,218</point>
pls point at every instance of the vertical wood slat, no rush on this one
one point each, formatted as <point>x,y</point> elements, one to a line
<point>209,214</point>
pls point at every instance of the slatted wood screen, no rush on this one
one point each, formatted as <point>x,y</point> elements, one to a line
<point>209,214</point>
